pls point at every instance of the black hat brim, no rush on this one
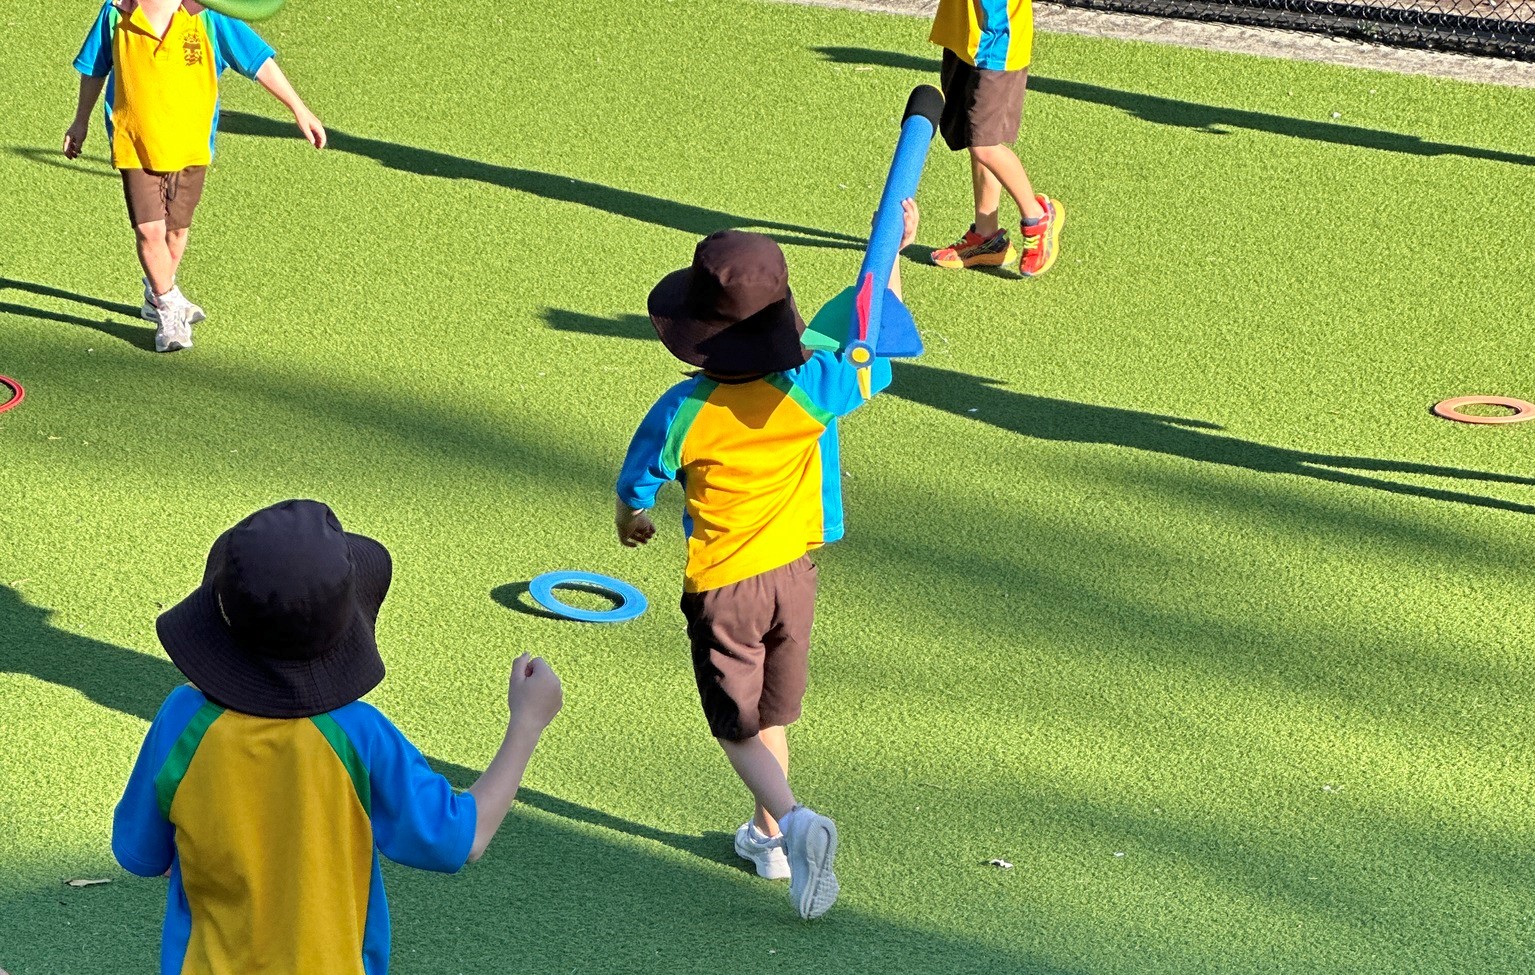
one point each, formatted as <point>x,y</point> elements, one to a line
<point>768,341</point>
<point>201,645</point>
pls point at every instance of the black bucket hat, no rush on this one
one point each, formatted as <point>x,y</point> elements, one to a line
<point>732,310</point>
<point>282,625</point>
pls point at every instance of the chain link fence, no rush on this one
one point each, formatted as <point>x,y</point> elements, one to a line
<point>1499,28</point>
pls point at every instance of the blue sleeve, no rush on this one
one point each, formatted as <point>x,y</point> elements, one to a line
<point>236,46</point>
<point>143,840</point>
<point>831,381</point>
<point>418,819</point>
<point>646,465</point>
<point>95,57</point>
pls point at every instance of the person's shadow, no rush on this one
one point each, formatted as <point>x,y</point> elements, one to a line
<point>696,220</point>
<point>1211,119</point>
<point>989,401</point>
<point>139,336</point>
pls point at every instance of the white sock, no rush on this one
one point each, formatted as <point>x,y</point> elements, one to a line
<point>757,835</point>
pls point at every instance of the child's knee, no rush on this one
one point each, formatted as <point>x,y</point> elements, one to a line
<point>150,233</point>
<point>989,156</point>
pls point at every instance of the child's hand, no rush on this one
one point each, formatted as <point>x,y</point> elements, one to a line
<point>533,693</point>
<point>634,527</point>
<point>909,220</point>
<point>74,139</point>
<point>310,126</point>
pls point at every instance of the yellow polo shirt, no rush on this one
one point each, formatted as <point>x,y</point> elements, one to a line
<point>162,94</point>
<point>995,35</point>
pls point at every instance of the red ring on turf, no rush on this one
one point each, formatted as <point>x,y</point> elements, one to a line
<point>15,387</point>
<point>1450,409</point>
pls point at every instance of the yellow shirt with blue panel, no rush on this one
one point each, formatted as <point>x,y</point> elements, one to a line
<point>162,91</point>
<point>271,830</point>
<point>994,35</point>
<point>758,461</point>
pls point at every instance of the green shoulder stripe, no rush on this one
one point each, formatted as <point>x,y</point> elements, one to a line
<point>785,385</point>
<point>671,453</point>
<point>168,779</point>
<point>347,752</point>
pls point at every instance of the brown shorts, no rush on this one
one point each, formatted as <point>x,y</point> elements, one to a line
<point>170,197</point>
<point>980,107</point>
<point>751,648</point>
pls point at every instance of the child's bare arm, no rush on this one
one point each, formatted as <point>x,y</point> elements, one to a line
<point>534,696</point>
<point>634,527</point>
<point>74,136</point>
<point>910,219</point>
<point>271,78</point>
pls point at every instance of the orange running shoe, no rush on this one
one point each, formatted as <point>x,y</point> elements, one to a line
<point>973,250</point>
<point>1041,240</point>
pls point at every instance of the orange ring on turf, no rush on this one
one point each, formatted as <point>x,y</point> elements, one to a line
<point>1450,409</point>
<point>14,387</point>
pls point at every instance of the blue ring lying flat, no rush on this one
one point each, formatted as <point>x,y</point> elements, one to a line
<point>632,602</point>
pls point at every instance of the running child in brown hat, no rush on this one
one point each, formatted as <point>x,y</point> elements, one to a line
<point>266,790</point>
<point>753,439</point>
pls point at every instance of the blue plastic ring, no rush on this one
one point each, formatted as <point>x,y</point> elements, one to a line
<point>632,602</point>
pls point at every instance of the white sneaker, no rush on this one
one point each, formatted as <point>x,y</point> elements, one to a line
<point>174,332</point>
<point>810,840</point>
<point>765,851</point>
<point>150,313</point>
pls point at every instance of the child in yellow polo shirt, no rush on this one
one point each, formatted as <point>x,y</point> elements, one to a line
<point>266,791</point>
<point>752,437</point>
<point>986,49</point>
<point>160,62</point>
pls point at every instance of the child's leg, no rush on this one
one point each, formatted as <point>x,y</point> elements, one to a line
<point>183,192</point>
<point>776,739</point>
<point>994,167</point>
<point>760,770</point>
<point>155,256</point>
<point>751,642</point>
<point>176,243</point>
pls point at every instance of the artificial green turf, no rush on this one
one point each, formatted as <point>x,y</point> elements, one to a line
<point>1161,582</point>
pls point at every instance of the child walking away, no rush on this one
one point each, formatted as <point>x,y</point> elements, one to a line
<point>265,790</point>
<point>160,62</point>
<point>753,439</point>
<point>986,47</point>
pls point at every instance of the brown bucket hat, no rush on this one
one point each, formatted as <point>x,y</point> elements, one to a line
<point>731,311</point>
<point>282,625</point>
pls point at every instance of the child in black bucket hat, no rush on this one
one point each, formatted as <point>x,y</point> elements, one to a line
<point>753,439</point>
<point>266,790</point>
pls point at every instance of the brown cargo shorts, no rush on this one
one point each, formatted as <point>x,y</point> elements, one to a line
<point>981,107</point>
<point>171,196</point>
<point>751,648</point>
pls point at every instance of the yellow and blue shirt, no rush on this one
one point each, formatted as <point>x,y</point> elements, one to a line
<point>758,460</point>
<point>994,35</point>
<point>271,830</point>
<point>162,92</point>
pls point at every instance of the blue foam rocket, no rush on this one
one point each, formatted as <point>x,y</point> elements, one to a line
<point>868,320</point>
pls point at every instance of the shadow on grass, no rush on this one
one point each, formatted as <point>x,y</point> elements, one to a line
<point>514,596</point>
<point>140,336</point>
<point>554,897</point>
<point>1213,119</point>
<point>89,165</point>
<point>622,327</point>
<point>987,401</point>
<point>699,221</point>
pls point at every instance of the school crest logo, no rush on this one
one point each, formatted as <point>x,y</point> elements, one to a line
<point>192,48</point>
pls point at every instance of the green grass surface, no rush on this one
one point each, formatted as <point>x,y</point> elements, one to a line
<point>1161,582</point>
